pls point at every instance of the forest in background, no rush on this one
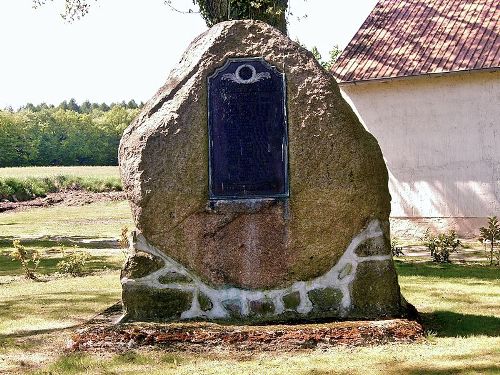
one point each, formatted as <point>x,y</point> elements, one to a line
<point>67,134</point>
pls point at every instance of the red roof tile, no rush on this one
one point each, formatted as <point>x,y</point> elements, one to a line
<point>413,37</point>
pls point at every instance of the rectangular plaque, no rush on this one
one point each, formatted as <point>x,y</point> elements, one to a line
<point>248,141</point>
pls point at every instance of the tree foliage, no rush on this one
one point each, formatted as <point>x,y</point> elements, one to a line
<point>272,12</point>
<point>334,55</point>
<point>69,134</point>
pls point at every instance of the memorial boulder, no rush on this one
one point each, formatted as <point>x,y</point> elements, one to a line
<point>256,193</point>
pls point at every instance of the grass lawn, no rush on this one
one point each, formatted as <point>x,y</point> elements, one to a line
<point>462,312</point>
<point>460,305</point>
<point>96,220</point>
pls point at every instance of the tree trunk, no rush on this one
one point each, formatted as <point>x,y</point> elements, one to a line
<point>491,251</point>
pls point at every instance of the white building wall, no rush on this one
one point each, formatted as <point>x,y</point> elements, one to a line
<point>440,136</point>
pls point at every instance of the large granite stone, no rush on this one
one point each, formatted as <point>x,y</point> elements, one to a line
<point>338,179</point>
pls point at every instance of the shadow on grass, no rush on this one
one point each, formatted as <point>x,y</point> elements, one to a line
<point>450,370</point>
<point>447,270</point>
<point>404,369</point>
<point>451,324</point>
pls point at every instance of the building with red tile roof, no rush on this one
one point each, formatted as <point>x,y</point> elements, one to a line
<point>424,78</point>
<point>414,37</point>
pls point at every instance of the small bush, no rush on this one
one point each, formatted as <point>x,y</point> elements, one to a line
<point>74,263</point>
<point>29,260</point>
<point>491,235</point>
<point>441,245</point>
<point>397,251</point>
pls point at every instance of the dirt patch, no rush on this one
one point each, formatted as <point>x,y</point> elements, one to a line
<point>101,335</point>
<point>66,198</point>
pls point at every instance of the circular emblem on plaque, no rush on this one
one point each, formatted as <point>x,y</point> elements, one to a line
<point>246,73</point>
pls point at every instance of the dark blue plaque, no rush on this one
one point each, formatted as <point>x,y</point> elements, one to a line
<point>248,142</point>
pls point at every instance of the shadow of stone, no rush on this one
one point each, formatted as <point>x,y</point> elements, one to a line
<point>453,370</point>
<point>451,324</point>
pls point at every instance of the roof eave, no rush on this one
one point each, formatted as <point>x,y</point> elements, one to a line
<point>431,74</point>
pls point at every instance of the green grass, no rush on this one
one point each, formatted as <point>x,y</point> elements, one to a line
<point>29,182</point>
<point>454,299</point>
<point>449,356</point>
<point>100,260</point>
<point>94,228</point>
<point>96,220</point>
<point>37,306</point>
<point>459,303</point>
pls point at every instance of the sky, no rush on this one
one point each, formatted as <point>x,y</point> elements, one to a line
<point>124,50</point>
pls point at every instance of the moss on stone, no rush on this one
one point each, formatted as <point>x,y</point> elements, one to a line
<point>261,307</point>
<point>204,302</point>
<point>233,307</point>
<point>375,290</point>
<point>144,303</point>
<point>325,300</point>
<point>174,277</point>
<point>291,300</point>
<point>140,265</point>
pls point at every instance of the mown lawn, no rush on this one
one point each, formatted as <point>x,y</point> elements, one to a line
<point>96,220</point>
<point>460,305</point>
<point>462,313</point>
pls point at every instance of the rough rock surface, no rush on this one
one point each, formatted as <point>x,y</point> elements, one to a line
<point>338,179</point>
<point>372,294</point>
<point>140,264</point>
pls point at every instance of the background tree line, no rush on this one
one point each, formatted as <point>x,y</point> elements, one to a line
<point>69,134</point>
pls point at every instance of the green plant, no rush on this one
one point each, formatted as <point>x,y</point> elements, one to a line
<point>29,260</point>
<point>396,250</point>
<point>334,55</point>
<point>74,263</point>
<point>441,245</point>
<point>212,11</point>
<point>491,235</point>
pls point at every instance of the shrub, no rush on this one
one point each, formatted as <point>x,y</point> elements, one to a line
<point>397,251</point>
<point>29,260</point>
<point>441,245</point>
<point>491,234</point>
<point>74,263</point>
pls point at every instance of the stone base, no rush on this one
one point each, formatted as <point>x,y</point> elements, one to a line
<point>362,285</point>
